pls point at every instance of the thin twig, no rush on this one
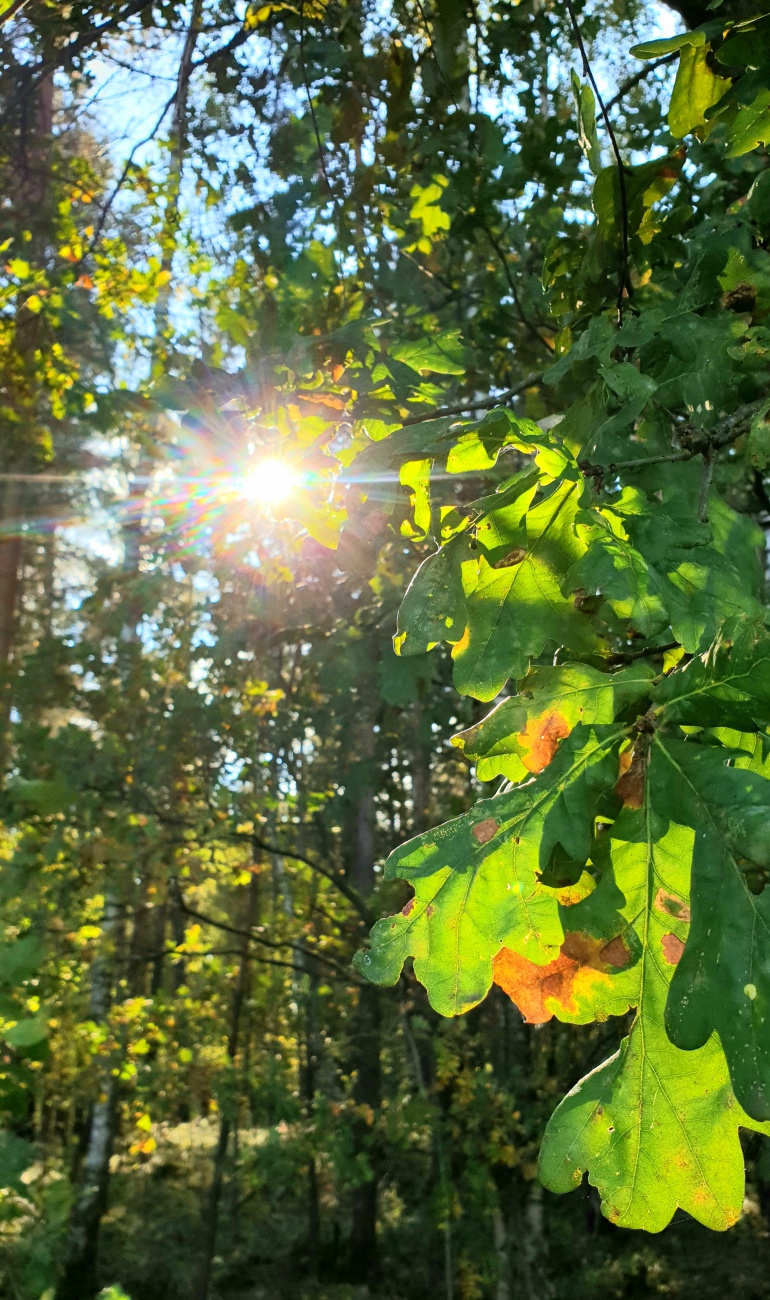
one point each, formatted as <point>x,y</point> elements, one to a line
<point>124,176</point>
<point>311,108</point>
<point>332,876</point>
<point>259,939</point>
<point>68,53</point>
<point>221,51</point>
<point>633,81</point>
<point>705,487</point>
<point>628,656</point>
<point>624,288</point>
<point>13,9</point>
<point>493,241</point>
<point>593,471</point>
<point>699,442</point>
<point>503,260</point>
<point>483,404</point>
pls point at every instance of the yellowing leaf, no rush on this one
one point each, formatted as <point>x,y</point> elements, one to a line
<point>696,88</point>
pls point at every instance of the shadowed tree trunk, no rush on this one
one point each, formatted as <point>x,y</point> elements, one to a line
<point>27,179</point>
<point>367,1089</point>
<point>78,1279</point>
<point>213,1199</point>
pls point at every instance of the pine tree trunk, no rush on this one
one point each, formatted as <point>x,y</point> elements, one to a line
<point>27,181</point>
<point>309,1085</point>
<point>367,1090</point>
<point>213,1199</point>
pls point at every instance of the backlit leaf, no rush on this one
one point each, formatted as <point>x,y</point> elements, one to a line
<point>476,879</point>
<point>655,1127</point>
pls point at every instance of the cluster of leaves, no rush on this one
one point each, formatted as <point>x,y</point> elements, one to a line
<point>210,753</point>
<point>616,577</point>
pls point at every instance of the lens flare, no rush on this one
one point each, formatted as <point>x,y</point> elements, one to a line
<point>269,482</point>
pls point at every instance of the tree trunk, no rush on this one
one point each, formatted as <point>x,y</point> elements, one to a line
<point>27,180</point>
<point>170,232</point>
<point>309,1085</point>
<point>213,1199</point>
<point>367,1095</point>
<point>78,1280</point>
<point>367,1090</point>
<point>421,773</point>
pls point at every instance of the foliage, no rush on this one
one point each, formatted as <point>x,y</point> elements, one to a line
<point>617,541</point>
<point>523,399</point>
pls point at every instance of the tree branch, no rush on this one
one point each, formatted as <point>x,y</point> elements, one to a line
<point>124,176</point>
<point>333,877</point>
<point>624,288</point>
<point>697,442</point>
<point>14,8</point>
<point>633,81</point>
<point>273,944</point>
<point>485,403</point>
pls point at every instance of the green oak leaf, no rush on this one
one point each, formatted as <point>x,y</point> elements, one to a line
<point>758,440</point>
<point>442,354</point>
<point>612,566</point>
<point>751,749</point>
<point>653,562</point>
<point>433,608</point>
<point>696,88</point>
<point>521,734</point>
<point>476,879</point>
<point>514,601</point>
<point>723,980</point>
<point>702,593</point>
<point>655,1127</point>
<point>750,126</point>
<point>728,686</point>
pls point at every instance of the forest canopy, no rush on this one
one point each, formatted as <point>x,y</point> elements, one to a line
<point>384,649</point>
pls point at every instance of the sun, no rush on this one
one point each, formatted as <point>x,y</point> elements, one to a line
<point>269,482</point>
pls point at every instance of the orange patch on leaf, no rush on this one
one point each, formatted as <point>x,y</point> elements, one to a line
<point>673,948</point>
<point>486,830</point>
<point>462,644</point>
<point>540,739</point>
<point>674,906</point>
<point>582,963</point>
<point>630,784</point>
<point>323,399</point>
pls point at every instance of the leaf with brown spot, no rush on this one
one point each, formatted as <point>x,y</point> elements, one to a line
<point>570,986</point>
<point>513,557</point>
<point>728,945</point>
<point>571,895</point>
<point>477,880</point>
<point>521,735</point>
<point>656,1128</point>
